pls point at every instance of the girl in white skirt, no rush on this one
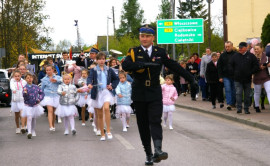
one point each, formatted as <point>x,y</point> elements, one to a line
<point>32,95</point>
<point>123,91</point>
<point>169,94</point>
<point>68,99</point>
<point>16,87</point>
<point>49,85</point>
<point>101,81</point>
<point>83,97</point>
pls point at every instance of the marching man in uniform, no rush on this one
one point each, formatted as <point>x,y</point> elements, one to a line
<point>145,63</point>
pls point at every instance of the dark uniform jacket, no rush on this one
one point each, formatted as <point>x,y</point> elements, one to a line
<point>140,91</point>
<point>243,66</point>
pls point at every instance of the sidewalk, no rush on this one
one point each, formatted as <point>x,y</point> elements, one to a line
<point>259,120</point>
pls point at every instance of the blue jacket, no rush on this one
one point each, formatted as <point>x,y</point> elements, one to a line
<point>92,79</point>
<point>49,88</point>
<point>125,90</point>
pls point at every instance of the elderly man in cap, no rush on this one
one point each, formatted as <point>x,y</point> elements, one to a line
<point>242,65</point>
<point>145,62</point>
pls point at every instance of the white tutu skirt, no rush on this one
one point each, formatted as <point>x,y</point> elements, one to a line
<point>82,101</point>
<point>51,101</point>
<point>17,106</point>
<point>123,109</point>
<point>90,108</point>
<point>168,108</point>
<point>102,97</point>
<point>66,110</point>
<point>34,111</point>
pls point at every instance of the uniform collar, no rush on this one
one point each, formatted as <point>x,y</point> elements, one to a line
<point>149,49</point>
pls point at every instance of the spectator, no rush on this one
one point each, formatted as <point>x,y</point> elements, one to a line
<point>197,58</point>
<point>62,62</point>
<point>50,62</point>
<point>193,68</point>
<point>243,65</point>
<point>225,76</point>
<point>216,87</point>
<point>205,60</point>
<point>261,78</point>
<point>93,55</point>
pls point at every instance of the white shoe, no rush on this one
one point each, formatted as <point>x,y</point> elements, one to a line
<point>83,124</point>
<point>93,124</point>
<point>109,135</point>
<point>34,134</point>
<point>66,132</point>
<point>98,133</point>
<point>125,129</point>
<point>59,120</point>
<point>52,129</point>
<point>127,126</point>
<point>197,96</point>
<point>18,131</point>
<point>95,129</point>
<point>102,138</point>
<point>171,128</point>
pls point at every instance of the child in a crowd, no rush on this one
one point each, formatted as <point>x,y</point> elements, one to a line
<point>32,95</point>
<point>116,68</point>
<point>184,84</point>
<point>49,85</point>
<point>169,95</point>
<point>216,87</point>
<point>68,99</point>
<point>90,108</point>
<point>83,97</point>
<point>123,91</point>
<point>16,87</point>
<point>102,80</point>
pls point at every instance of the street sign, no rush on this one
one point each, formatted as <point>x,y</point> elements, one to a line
<point>181,31</point>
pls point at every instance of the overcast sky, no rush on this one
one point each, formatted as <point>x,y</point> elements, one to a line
<point>92,16</point>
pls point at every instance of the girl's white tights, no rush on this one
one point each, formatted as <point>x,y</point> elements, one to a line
<point>67,120</point>
<point>167,115</point>
<point>124,118</point>
<point>31,124</point>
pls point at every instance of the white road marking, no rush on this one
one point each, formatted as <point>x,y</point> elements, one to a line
<point>124,142</point>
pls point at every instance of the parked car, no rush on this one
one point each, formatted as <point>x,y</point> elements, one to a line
<point>5,92</point>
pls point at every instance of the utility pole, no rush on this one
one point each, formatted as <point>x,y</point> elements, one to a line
<point>113,20</point>
<point>108,33</point>
<point>173,17</point>
<point>225,25</point>
<point>78,35</point>
<point>209,22</point>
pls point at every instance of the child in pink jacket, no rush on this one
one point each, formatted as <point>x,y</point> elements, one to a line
<point>169,94</point>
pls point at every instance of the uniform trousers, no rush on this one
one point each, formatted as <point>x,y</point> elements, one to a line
<point>149,122</point>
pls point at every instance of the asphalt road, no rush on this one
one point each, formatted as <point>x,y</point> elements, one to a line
<point>197,140</point>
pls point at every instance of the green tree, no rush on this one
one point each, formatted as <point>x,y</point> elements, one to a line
<point>63,45</point>
<point>131,19</point>
<point>21,25</point>
<point>265,36</point>
<point>192,9</point>
<point>165,10</point>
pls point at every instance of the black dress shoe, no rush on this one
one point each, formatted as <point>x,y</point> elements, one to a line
<point>159,154</point>
<point>262,106</point>
<point>239,111</point>
<point>257,109</point>
<point>149,160</point>
<point>247,112</point>
<point>221,105</point>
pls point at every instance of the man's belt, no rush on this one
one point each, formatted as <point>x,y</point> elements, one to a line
<point>147,83</point>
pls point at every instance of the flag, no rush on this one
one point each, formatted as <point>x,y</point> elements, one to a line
<point>70,53</point>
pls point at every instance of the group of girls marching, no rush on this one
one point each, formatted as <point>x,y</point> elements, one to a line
<point>60,96</point>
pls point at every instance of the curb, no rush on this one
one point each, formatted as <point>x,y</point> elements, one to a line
<point>235,119</point>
